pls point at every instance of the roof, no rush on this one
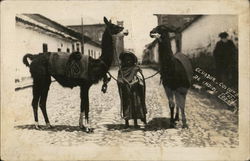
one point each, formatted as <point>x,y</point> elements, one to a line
<point>46,24</point>
<point>87,25</point>
<point>177,22</point>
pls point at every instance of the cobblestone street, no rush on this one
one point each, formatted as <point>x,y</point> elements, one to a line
<point>210,123</point>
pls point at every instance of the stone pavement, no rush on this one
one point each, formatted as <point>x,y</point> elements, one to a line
<point>211,124</point>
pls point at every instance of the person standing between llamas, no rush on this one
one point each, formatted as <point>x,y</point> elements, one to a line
<point>131,85</point>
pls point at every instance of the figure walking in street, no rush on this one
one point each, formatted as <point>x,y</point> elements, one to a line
<point>131,85</point>
<point>225,59</point>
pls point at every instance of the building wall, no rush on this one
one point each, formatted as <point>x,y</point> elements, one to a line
<point>173,45</point>
<point>93,51</point>
<point>156,53</point>
<point>119,48</point>
<point>31,41</point>
<point>202,35</point>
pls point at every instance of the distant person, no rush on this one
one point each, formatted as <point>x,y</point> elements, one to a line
<point>131,85</point>
<point>225,55</point>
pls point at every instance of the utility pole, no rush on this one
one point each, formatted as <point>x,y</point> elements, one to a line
<point>82,42</point>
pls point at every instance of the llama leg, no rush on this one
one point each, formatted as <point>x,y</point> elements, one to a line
<point>176,118</point>
<point>35,107</point>
<point>84,108</point>
<point>170,95</point>
<point>180,99</point>
<point>82,95</point>
<point>35,100</point>
<point>87,123</point>
<point>43,100</point>
<point>81,120</point>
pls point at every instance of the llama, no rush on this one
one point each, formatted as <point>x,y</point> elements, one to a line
<point>176,73</point>
<point>40,69</point>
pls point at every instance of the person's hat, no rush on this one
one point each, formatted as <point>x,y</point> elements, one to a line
<point>128,54</point>
<point>223,35</point>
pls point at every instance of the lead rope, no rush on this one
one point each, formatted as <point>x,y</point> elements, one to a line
<point>111,76</point>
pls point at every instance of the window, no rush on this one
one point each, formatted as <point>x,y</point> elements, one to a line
<point>177,45</point>
<point>89,52</point>
<point>68,50</point>
<point>94,54</point>
<point>100,33</point>
<point>77,47</point>
<point>73,47</point>
<point>45,47</point>
<point>59,49</point>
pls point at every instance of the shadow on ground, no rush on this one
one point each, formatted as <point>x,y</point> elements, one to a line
<point>55,128</point>
<point>155,124</point>
<point>158,123</point>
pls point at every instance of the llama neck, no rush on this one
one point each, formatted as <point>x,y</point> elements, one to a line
<point>165,51</point>
<point>107,48</point>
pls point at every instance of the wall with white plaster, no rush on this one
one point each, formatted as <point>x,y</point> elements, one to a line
<point>203,33</point>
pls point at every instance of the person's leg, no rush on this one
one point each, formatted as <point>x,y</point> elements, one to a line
<point>144,120</point>
<point>218,70</point>
<point>136,123</point>
<point>126,123</point>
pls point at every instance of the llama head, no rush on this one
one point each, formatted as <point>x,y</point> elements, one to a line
<point>160,31</point>
<point>115,30</point>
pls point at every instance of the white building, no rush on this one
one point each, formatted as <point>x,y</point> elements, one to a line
<point>36,33</point>
<point>198,33</point>
<point>202,34</point>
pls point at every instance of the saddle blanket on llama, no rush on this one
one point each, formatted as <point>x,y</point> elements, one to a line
<point>186,64</point>
<point>71,65</point>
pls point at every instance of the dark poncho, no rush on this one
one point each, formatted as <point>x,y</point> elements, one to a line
<point>225,54</point>
<point>132,94</point>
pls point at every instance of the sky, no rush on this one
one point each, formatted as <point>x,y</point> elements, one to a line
<point>138,19</point>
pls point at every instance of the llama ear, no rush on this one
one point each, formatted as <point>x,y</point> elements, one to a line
<point>105,20</point>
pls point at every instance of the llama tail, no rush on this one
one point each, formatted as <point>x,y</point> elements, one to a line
<point>25,59</point>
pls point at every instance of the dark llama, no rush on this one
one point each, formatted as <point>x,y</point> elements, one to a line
<point>45,65</point>
<point>176,73</point>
